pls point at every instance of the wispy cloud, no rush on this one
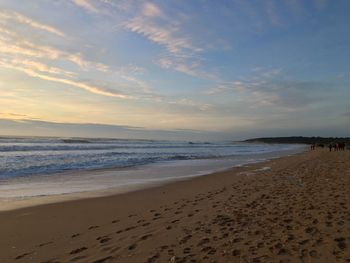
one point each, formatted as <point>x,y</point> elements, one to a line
<point>192,104</point>
<point>87,5</point>
<point>270,88</point>
<point>164,35</point>
<point>14,116</point>
<point>13,43</point>
<point>104,7</point>
<point>21,54</point>
<point>152,10</point>
<point>38,61</point>
<point>28,69</point>
<point>161,27</point>
<point>168,32</point>
<point>45,62</point>
<point>190,65</point>
<point>11,16</point>
<point>41,67</point>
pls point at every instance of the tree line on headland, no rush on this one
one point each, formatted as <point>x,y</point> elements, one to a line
<point>301,140</point>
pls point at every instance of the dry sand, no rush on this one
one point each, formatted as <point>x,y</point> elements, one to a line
<point>292,209</point>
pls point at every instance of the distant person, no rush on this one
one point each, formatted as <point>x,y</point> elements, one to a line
<point>342,146</point>
<point>335,146</point>
<point>330,146</point>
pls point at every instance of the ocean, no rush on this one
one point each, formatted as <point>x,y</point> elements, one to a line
<point>32,166</point>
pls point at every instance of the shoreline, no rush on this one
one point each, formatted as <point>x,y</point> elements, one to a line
<point>16,203</point>
<point>176,171</point>
<point>296,210</point>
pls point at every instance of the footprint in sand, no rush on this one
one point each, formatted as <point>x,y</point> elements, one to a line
<point>341,243</point>
<point>164,247</point>
<point>103,239</point>
<point>146,237</point>
<point>79,258</point>
<point>78,250</point>
<point>129,228</point>
<point>203,241</point>
<point>102,260</point>
<point>23,255</point>
<point>45,244</point>
<point>153,258</point>
<point>187,250</point>
<point>132,247</point>
<point>185,239</point>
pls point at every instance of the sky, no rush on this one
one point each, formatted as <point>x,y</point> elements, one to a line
<point>200,69</point>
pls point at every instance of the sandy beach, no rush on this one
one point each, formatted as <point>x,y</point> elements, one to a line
<point>291,209</point>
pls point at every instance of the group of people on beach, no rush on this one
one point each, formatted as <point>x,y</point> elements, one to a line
<point>339,146</point>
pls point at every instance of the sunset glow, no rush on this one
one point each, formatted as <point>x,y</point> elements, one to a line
<point>226,69</point>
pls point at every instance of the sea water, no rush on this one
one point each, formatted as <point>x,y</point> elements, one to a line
<point>50,166</point>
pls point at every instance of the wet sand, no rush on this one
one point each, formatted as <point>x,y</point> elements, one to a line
<point>292,209</point>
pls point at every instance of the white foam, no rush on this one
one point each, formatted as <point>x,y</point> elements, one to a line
<point>120,180</point>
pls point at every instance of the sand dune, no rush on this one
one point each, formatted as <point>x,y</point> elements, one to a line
<point>292,209</point>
